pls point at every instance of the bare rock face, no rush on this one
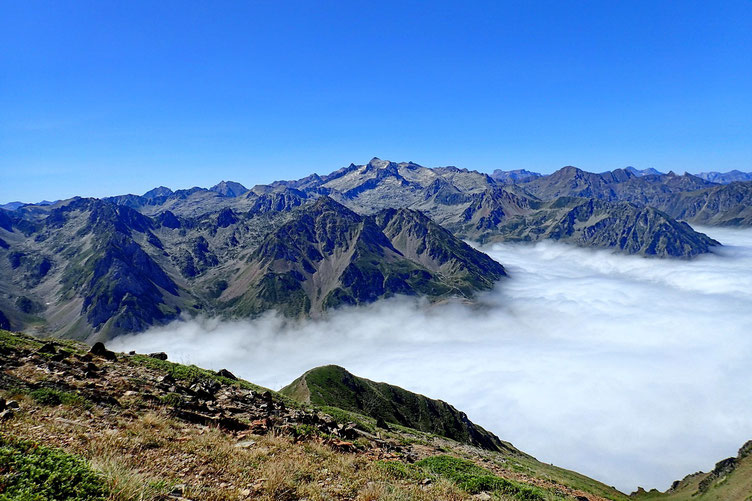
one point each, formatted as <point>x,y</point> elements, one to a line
<point>99,350</point>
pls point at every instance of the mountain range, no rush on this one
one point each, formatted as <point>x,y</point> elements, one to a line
<point>92,269</point>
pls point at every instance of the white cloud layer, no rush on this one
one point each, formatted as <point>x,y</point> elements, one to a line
<point>633,371</point>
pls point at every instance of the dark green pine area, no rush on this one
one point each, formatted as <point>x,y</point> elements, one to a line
<point>92,269</point>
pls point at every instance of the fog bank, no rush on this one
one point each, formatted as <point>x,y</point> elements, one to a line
<point>633,371</point>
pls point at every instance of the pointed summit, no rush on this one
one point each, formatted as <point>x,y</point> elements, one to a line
<point>378,163</point>
<point>229,189</point>
<point>160,191</point>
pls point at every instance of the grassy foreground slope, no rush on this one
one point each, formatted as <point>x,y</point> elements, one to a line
<point>137,427</point>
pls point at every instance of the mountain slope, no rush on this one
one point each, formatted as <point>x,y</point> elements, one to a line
<point>92,269</point>
<point>730,480</point>
<point>161,430</point>
<point>513,176</point>
<point>618,185</point>
<point>421,240</point>
<point>727,205</point>
<point>82,271</point>
<point>334,386</point>
<point>695,199</point>
<point>329,256</point>
<point>499,215</point>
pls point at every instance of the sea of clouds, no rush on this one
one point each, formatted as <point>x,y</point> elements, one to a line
<point>630,370</point>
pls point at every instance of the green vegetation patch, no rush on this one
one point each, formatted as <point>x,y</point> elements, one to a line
<point>20,341</point>
<point>52,397</point>
<point>474,479</point>
<point>32,472</point>
<point>400,471</point>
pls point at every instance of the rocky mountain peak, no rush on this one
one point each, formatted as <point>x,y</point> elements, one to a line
<point>377,163</point>
<point>229,189</point>
<point>160,191</point>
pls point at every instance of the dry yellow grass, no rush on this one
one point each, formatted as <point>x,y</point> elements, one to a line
<point>148,456</point>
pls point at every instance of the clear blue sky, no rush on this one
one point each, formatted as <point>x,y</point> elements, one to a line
<point>99,98</point>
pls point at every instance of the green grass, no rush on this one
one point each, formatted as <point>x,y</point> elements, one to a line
<point>333,386</point>
<point>172,400</point>
<point>474,479</point>
<point>19,341</point>
<point>32,472</point>
<point>401,471</point>
<point>52,397</point>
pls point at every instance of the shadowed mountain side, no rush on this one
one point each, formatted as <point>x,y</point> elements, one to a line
<point>333,386</point>
<point>617,185</point>
<point>328,255</point>
<point>81,270</point>
<point>725,205</point>
<point>593,223</point>
<point>695,199</point>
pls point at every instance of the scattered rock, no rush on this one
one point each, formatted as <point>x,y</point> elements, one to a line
<point>227,374</point>
<point>48,348</point>
<point>159,356</point>
<point>100,351</point>
<point>348,431</point>
<point>202,391</point>
<point>86,357</point>
<point>380,423</point>
<point>245,444</point>
<point>343,446</point>
<point>59,356</point>
<point>484,496</point>
<point>231,424</point>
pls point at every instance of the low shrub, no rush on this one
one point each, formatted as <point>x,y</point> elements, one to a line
<point>33,472</point>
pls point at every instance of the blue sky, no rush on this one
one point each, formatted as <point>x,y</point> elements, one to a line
<point>101,98</point>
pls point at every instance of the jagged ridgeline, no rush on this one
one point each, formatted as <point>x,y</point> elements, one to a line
<point>92,269</point>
